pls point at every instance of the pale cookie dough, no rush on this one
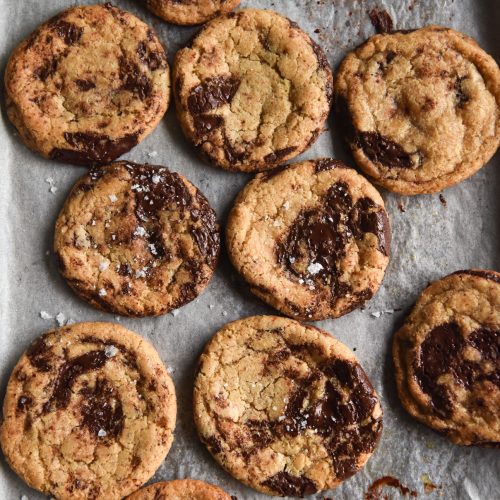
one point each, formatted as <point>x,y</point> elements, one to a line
<point>312,240</point>
<point>189,12</point>
<point>88,85</point>
<point>252,90</point>
<point>420,109</point>
<point>284,407</point>
<point>89,413</point>
<point>137,240</point>
<point>180,489</point>
<point>447,358</point>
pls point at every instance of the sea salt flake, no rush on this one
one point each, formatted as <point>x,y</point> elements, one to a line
<point>70,321</point>
<point>113,198</point>
<point>45,315</point>
<point>103,266</point>
<point>156,179</point>
<point>49,180</point>
<point>102,292</point>
<point>60,318</point>
<point>281,418</point>
<point>170,370</point>
<point>314,268</point>
<point>376,314</point>
<point>141,273</point>
<point>153,249</point>
<point>175,312</point>
<point>110,351</point>
<point>102,433</point>
<point>389,311</point>
<point>139,231</point>
<point>53,189</point>
<point>153,154</point>
<point>211,306</point>
<point>286,205</point>
<point>224,313</point>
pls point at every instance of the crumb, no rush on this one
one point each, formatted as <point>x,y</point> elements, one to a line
<point>443,201</point>
<point>381,20</point>
<point>402,208</point>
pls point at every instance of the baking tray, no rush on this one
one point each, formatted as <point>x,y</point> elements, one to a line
<point>431,238</point>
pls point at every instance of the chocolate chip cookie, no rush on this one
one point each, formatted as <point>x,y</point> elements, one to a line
<point>189,12</point>
<point>312,240</point>
<point>137,240</point>
<point>181,489</point>
<point>447,358</point>
<point>284,407</point>
<point>420,109</point>
<point>89,412</point>
<point>88,85</point>
<point>252,90</point>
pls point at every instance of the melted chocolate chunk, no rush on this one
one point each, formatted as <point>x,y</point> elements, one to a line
<point>213,444</point>
<point>39,354</point>
<point>48,68</point>
<point>68,373</point>
<point>206,234</point>
<point>91,148</point>
<point>318,238</point>
<point>382,150</point>
<point>279,154</point>
<point>381,21</point>
<point>153,58</point>
<point>102,410</point>
<point>212,93</point>
<point>134,80</point>
<point>85,85</point>
<point>461,97</point>
<point>442,352</point>
<point>69,32</point>
<point>205,124</point>
<point>287,485</point>
<point>327,164</point>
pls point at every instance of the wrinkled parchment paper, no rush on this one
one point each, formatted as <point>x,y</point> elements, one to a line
<point>431,239</point>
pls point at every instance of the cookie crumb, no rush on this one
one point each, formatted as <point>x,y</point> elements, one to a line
<point>45,315</point>
<point>402,208</point>
<point>443,201</point>
<point>381,21</point>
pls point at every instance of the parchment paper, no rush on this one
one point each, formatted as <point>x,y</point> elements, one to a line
<point>430,240</point>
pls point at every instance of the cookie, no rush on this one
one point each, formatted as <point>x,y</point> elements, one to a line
<point>181,489</point>
<point>88,85</point>
<point>89,412</point>
<point>189,12</point>
<point>252,90</point>
<point>312,240</point>
<point>136,240</point>
<point>447,358</point>
<point>420,109</point>
<point>284,407</point>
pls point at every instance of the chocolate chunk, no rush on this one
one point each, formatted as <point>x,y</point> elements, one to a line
<point>39,354</point>
<point>487,342</point>
<point>68,373</point>
<point>374,491</point>
<point>213,444</point>
<point>69,32</point>
<point>381,21</point>
<point>48,68</point>
<point>153,58</point>
<point>287,485</point>
<point>102,410</point>
<point>327,164</point>
<point>92,149</point>
<point>382,150</point>
<point>205,124</point>
<point>233,156</point>
<point>206,234</point>
<point>85,85</point>
<point>344,118</point>
<point>461,97</point>
<point>279,154</point>
<point>124,270</point>
<point>212,93</point>
<point>134,80</point>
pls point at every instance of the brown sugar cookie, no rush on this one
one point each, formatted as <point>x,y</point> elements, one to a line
<point>420,109</point>
<point>312,240</point>
<point>189,12</point>
<point>137,240</point>
<point>252,90</point>
<point>284,407</point>
<point>180,489</point>
<point>88,85</point>
<point>89,412</point>
<point>447,358</point>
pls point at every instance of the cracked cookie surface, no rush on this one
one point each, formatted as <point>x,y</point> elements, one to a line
<point>89,412</point>
<point>88,85</point>
<point>189,12</point>
<point>252,90</point>
<point>419,109</point>
<point>180,489</point>
<point>284,407</point>
<point>447,358</point>
<point>137,240</point>
<point>312,240</point>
